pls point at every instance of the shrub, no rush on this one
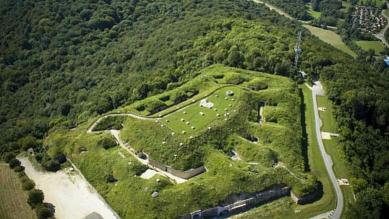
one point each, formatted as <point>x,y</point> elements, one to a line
<point>60,157</point>
<point>28,184</point>
<point>14,163</point>
<point>35,197</point>
<point>52,165</point>
<point>9,156</point>
<point>112,122</point>
<point>43,212</point>
<point>139,169</point>
<point>19,169</point>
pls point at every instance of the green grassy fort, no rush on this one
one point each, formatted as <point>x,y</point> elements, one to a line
<point>199,123</point>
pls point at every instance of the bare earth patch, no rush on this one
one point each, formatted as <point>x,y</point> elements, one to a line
<point>72,195</point>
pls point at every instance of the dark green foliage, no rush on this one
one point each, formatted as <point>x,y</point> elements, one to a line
<point>43,211</point>
<point>107,142</point>
<point>28,184</point>
<point>295,8</point>
<point>14,163</point>
<point>60,157</point>
<point>19,169</point>
<point>138,168</point>
<point>52,165</point>
<point>35,197</point>
<point>9,156</point>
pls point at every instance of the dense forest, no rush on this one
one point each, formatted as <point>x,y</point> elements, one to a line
<point>295,8</point>
<point>62,63</point>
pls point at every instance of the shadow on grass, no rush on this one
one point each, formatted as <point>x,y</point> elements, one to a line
<point>304,139</point>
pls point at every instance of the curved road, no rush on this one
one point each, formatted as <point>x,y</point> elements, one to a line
<point>317,90</point>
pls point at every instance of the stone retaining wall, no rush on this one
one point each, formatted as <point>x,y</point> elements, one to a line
<point>241,205</point>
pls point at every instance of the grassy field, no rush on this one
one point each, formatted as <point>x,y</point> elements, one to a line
<point>331,38</point>
<point>334,149</point>
<point>13,200</point>
<point>377,46</point>
<point>376,3</point>
<point>200,117</point>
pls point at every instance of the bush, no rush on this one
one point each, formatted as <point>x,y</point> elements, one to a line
<point>107,143</point>
<point>19,169</point>
<point>28,185</point>
<point>35,197</point>
<point>139,169</point>
<point>9,156</point>
<point>60,157</point>
<point>43,212</point>
<point>52,165</point>
<point>14,163</point>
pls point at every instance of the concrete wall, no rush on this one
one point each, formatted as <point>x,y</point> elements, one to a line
<point>241,205</point>
<point>182,174</point>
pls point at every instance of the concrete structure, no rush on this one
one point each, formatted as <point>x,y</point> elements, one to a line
<point>205,103</point>
<point>239,203</point>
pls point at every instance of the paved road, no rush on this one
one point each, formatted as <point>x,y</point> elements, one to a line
<point>317,90</point>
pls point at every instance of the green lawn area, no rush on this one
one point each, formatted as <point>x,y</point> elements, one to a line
<point>331,38</point>
<point>200,117</point>
<point>376,3</point>
<point>334,149</point>
<point>377,46</point>
<point>13,200</point>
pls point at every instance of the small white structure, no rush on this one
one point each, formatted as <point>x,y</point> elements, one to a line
<point>209,128</point>
<point>182,120</point>
<point>205,103</point>
<point>183,132</point>
<point>162,125</point>
<point>173,133</point>
<point>188,123</point>
<point>230,93</point>
<point>155,194</point>
<point>201,113</point>
<point>164,142</point>
<point>192,127</point>
<point>181,144</point>
<point>184,112</point>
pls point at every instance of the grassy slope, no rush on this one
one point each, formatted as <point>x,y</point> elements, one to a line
<point>283,208</point>
<point>331,38</point>
<point>377,46</point>
<point>334,149</point>
<point>13,200</point>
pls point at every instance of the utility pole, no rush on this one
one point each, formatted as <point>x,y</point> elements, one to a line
<point>297,50</point>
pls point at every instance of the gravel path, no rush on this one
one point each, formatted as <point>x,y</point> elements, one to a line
<point>71,194</point>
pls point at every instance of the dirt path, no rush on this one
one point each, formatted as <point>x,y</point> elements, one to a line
<point>71,194</point>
